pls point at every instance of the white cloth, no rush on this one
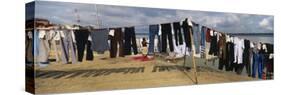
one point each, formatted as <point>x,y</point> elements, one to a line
<point>259,46</point>
<point>264,47</point>
<point>42,33</point>
<point>29,34</point>
<point>189,22</point>
<point>211,33</point>
<point>252,45</point>
<point>271,56</point>
<point>111,32</point>
<point>58,35</point>
<point>159,32</point>
<point>227,38</point>
<point>73,36</point>
<point>61,33</point>
<point>179,50</point>
<point>89,38</point>
<point>238,50</point>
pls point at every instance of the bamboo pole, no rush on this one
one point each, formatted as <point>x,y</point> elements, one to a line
<point>193,59</point>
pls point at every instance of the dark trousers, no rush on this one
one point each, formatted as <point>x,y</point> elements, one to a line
<point>247,62</point>
<point>186,33</point>
<point>166,32</point>
<point>178,34</point>
<point>89,53</point>
<point>116,40</point>
<point>130,41</point>
<point>223,63</point>
<point>229,56</point>
<point>81,37</point>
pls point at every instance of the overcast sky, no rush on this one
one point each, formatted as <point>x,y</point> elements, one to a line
<point>63,13</point>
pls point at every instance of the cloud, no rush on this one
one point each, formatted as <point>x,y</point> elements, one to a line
<point>266,23</point>
<point>112,16</point>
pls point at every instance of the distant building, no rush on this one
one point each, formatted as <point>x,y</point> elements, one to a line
<point>36,22</point>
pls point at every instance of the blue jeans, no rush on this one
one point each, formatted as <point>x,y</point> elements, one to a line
<point>153,31</point>
<point>257,64</point>
<point>202,41</point>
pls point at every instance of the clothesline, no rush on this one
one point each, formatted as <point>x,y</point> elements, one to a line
<point>183,19</point>
<point>180,22</point>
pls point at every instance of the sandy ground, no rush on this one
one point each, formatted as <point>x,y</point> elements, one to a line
<point>63,82</point>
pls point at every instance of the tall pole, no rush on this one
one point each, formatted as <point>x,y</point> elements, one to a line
<point>77,16</point>
<point>193,59</point>
<point>97,17</point>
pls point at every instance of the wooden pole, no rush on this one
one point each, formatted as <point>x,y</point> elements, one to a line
<point>193,59</point>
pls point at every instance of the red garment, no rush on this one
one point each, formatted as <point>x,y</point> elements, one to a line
<point>208,36</point>
<point>142,58</point>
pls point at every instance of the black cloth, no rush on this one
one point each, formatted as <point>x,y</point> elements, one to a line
<point>166,32</point>
<point>269,63</point>
<point>81,37</point>
<point>186,32</point>
<point>130,41</point>
<point>178,33</point>
<point>89,53</point>
<point>246,57</point>
<point>230,55</point>
<point>214,45</point>
<point>116,40</point>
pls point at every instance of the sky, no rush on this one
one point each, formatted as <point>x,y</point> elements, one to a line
<point>140,17</point>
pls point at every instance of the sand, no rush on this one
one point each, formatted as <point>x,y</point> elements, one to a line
<point>77,82</point>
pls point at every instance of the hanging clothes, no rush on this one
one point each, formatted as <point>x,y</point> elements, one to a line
<point>270,60</point>
<point>246,57</point>
<point>177,33</point>
<point>166,32</point>
<point>153,31</point>
<point>222,52</point>
<point>44,48</point>
<point>81,37</point>
<point>186,32</point>
<point>68,45</point>
<point>29,55</point>
<point>116,39</point>
<point>196,36</point>
<point>258,60</point>
<point>214,43</point>
<point>238,54</point>
<point>208,35</point>
<point>130,41</point>
<point>238,50</point>
<point>99,40</point>
<point>54,43</point>
<point>202,41</point>
<point>229,53</point>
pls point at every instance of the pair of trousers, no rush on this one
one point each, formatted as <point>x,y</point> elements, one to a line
<point>258,60</point>
<point>166,32</point>
<point>153,31</point>
<point>29,48</point>
<point>178,33</point>
<point>202,42</point>
<point>186,32</point>
<point>115,41</point>
<point>213,46</point>
<point>223,63</point>
<point>44,49</point>
<point>230,56</point>
<point>130,41</point>
<point>196,37</point>
<point>100,40</point>
<point>67,45</point>
<point>81,37</point>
